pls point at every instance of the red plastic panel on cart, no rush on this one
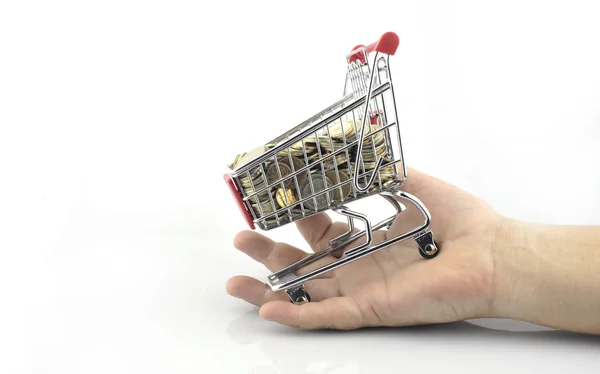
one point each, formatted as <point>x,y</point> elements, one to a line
<point>238,199</point>
<point>387,44</point>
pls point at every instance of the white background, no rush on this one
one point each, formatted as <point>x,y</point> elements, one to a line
<point>117,121</point>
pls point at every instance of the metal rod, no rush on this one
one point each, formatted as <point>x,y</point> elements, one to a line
<point>330,189</point>
<point>321,159</point>
<point>274,286</point>
<point>362,137</point>
<point>307,131</point>
<point>404,175</point>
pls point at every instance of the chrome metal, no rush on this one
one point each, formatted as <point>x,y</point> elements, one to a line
<point>330,155</point>
<point>335,242</point>
<point>368,90</point>
<point>404,174</point>
<point>368,230</point>
<point>430,249</point>
<point>281,280</point>
<point>310,127</point>
<point>362,138</point>
<point>323,191</point>
<point>427,245</point>
<point>298,294</point>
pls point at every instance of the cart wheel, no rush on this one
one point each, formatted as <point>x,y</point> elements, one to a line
<point>430,251</point>
<point>298,295</point>
<point>428,248</point>
<point>302,299</point>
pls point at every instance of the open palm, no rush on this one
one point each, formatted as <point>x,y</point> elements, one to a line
<point>394,286</point>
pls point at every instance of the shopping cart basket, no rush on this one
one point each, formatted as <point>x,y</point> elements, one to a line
<point>350,150</point>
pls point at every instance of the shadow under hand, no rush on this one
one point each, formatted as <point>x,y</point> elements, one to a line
<point>377,350</point>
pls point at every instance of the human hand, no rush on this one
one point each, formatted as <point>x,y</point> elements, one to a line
<point>394,286</point>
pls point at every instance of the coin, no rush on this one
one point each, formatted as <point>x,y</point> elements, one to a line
<point>253,173</point>
<point>273,175</point>
<point>387,175</point>
<point>266,206</point>
<point>262,196</point>
<point>303,147</point>
<point>367,165</point>
<point>235,161</point>
<point>246,157</point>
<point>388,169</point>
<point>340,159</point>
<point>296,165</point>
<point>310,140</point>
<point>276,220</point>
<point>345,128</point>
<point>255,185</point>
<point>346,188</point>
<point>378,137</point>
<point>319,183</point>
<point>285,196</point>
<point>256,182</point>
<point>380,149</point>
<point>384,185</point>
<point>296,152</point>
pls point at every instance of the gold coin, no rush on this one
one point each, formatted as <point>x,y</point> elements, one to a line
<point>296,165</point>
<point>245,158</point>
<point>236,160</point>
<point>311,140</point>
<point>267,208</point>
<point>273,175</point>
<point>342,129</point>
<point>380,150</point>
<point>384,185</point>
<point>296,152</point>
<point>346,188</point>
<point>388,169</point>
<point>335,145</point>
<point>387,175</point>
<point>254,184</point>
<point>282,196</point>
<point>306,146</point>
<point>367,165</point>
<point>378,138</point>
<point>263,197</point>
<point>340,159</point>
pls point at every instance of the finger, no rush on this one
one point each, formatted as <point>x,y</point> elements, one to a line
<point>273,255</point>
<point>276,256</point>
<point>257,293</point>
<point>321,289</point>
<point>340,313</point>
<point>318,230</point>
<point>252,291</point>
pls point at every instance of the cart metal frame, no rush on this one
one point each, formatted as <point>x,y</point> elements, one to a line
<point>368,105</point>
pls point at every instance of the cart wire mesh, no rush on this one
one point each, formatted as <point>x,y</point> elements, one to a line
<point>311,168</point>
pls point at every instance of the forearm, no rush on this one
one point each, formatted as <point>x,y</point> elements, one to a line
<point>549,275</point>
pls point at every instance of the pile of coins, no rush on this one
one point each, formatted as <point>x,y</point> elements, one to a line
<point>324,171</point>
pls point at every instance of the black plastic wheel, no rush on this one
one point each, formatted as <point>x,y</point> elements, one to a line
<point>307,298</point>
<point>429,256</point>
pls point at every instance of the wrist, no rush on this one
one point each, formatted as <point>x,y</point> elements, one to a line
<point>513,261</point>
<point>547,275</point>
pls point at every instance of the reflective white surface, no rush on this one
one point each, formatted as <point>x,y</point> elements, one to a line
<point>115,225</point>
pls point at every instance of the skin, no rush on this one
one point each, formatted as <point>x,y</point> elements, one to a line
<point>489,266</point>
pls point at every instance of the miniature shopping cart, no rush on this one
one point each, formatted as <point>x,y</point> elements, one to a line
<point>348,151</point>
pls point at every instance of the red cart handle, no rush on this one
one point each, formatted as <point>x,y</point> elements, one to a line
<point>238,199</point>
<point>388,44</point>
